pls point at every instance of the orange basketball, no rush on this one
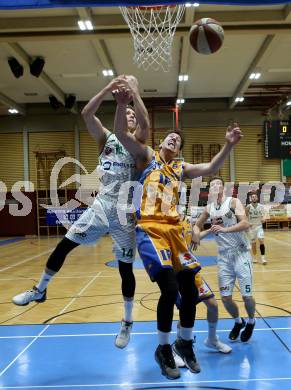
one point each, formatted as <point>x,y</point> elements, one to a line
<point>206,36</point>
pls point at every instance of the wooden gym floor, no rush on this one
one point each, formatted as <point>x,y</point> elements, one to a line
<point>88,290</point>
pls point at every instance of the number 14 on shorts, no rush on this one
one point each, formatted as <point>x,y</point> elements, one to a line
<point>127,252</point>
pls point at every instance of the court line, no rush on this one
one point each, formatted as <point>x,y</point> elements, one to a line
<point>132,333</point>
<point>131,384</point>
<point>47,326</point>
<point>114,276</point>
<point>278,240</point>
<point>25,260</point>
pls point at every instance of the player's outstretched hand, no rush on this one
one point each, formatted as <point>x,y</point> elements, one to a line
<point>233,134</point>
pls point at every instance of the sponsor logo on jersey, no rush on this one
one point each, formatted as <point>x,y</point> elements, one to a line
<point>108,150</point>
<point>106,165</point>
<point>186,259</point>
<point>229,214</point>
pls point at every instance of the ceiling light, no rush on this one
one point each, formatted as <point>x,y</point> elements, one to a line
<point>180,101</point>
<point>239,99</point>
<point>13,111</point>
<point>81,25</point>
<point>107,72</point>
<point>255,76</point>
<point>195,4</point>
<point>88,24</point>
<point>183,77</point>
<point>288,103</point>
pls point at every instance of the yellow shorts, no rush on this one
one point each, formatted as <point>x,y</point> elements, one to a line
<point>162,245</point>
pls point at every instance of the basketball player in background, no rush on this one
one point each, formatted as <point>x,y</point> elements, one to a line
<point>117,166</point>
<point>255,213</point>
<point>229,224</point>
<point>160,241</point>
<point>206,296</point>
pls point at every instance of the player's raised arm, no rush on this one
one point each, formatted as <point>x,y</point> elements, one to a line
<point>94,125</point>
<point>139,150</point>
<point>142,131</point>
<point>198,227</point>
<point>232,137</point>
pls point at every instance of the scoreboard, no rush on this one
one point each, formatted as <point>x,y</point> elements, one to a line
<point>277,139</point>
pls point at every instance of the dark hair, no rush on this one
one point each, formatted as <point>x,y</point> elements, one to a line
<point>180,134</point>
<point>215,178</point>
<point>130,106</point>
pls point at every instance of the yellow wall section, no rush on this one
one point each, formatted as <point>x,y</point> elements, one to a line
<point>11,158</point>
<point>47,141</point>
<point>250,163</point>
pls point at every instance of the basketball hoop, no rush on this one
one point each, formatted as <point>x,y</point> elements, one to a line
<point>153,29</point>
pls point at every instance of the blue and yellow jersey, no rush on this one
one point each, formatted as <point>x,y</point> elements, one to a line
<point>160,196</point>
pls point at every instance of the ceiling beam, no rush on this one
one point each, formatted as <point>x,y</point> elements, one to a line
<point>287,12</point>
<point>99,45</point>
<point>16,51</point>
<point>245,81</point>
<point>11,37</point>
<point>12,104</point>
<point>184,53</point>
<point>51,23</point>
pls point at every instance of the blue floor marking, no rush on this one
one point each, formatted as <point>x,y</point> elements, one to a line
<point>205,261</point>
<point>11,240</point>
<point>79,362</point>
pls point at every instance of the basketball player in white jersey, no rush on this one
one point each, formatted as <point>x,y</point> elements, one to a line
<point>229,224</point>
<point>117,166</point>
<point>206,296</point>
<point>255,213</point>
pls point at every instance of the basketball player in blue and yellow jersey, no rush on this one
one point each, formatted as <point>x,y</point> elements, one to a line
<point>160,242</point>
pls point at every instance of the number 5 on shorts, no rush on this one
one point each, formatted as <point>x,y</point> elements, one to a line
<point>248,288</point>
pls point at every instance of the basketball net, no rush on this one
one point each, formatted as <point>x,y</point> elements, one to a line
<point>153,29</point>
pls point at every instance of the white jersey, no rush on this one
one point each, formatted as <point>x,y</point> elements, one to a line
<point>225,216</point>
<point>117,166</point>
<point>256,213</point>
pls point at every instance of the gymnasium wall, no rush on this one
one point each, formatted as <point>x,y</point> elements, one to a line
<point>50,131</point>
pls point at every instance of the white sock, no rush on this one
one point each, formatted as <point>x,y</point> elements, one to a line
<point>263,257</point>
<point>128,306</point>
<point>238,320</point>
<point>44,281</point>
<point>251,320</point>
<point>164,337</point>
<point>186,333</point>
<point>212,331</point>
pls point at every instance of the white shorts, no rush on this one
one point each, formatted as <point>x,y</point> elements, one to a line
<point>100,219</point>
<point>256,233</point>
<point>234,265</point>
